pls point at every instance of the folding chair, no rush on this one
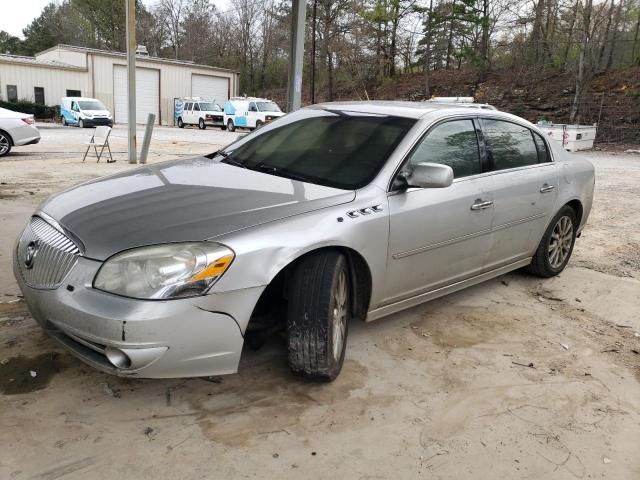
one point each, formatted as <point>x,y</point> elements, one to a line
<point>100,138</point>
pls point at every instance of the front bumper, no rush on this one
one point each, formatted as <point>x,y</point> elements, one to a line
<point>189,337</point>
<point>96,122</point>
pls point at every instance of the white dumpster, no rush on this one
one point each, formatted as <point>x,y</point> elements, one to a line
<point>572,137</point>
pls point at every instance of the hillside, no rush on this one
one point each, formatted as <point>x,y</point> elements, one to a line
<point>612,100</point>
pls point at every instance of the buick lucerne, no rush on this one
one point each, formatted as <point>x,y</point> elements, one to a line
<point>332,213</point>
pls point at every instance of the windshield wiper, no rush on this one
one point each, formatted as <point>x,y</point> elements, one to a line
<point>270,169</point>
<point>228,160</point>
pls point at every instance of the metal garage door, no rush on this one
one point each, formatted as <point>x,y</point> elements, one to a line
<point>210,88</point>
<point>147,93</point>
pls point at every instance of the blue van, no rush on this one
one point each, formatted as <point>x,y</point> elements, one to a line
<point>84,112</point>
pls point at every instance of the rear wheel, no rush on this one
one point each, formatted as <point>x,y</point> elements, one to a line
<point>230,126</point>
<point>201,124</point>
<point>5,144</point>
<point>318,315</point>
<point>556,246</point>
<point>180,123</point>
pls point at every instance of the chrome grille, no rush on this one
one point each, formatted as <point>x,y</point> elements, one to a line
<point>55,255</point>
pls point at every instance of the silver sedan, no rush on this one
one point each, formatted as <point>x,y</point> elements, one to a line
<point>336,212</point>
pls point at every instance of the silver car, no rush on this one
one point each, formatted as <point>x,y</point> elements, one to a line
<point>335,212</point>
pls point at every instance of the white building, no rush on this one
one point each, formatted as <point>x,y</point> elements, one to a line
<point>65,70</point>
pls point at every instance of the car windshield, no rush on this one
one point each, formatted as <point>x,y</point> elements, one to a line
<point>210,107</point>
<point>338,149</point>
<point>91,105</point>
<point>268,107</point>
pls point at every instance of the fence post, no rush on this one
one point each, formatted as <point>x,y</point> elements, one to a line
<point>148,130</point>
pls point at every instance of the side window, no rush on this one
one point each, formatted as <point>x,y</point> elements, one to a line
<point>451,143</point>
<point>511,145</point>
<point>252,107</point>
<point>188,106</point>
<point>543,150</point>
<point>196,107</point>
<point>74,107</point>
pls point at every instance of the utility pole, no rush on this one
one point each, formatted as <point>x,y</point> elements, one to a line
<point>131,78</point>
<point>313,51</point>
<point>296,54</point>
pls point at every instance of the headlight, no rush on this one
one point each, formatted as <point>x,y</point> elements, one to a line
<point>165,271</point>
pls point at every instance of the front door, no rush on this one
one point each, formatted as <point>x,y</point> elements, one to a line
<point>524,189</point>
<point>440,235</point>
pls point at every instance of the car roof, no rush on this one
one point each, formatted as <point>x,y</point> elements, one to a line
<point>393,107</point>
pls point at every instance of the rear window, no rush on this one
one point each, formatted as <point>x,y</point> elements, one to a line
<point>337,149</point>
<point>510,145</point>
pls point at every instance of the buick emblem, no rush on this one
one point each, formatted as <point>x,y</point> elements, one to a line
<point>30,254</point>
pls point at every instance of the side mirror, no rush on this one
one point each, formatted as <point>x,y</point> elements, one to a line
<point>430,175</point>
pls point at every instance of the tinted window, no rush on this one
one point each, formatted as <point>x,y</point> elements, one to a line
<point>452,143</point>
<point>188,106</point>
<point>38,95</point>
<point>12,93</point>
<point>252,107</point>
<point>511,145</point>
<point>196,107</point>
<point>541,146</point>
<point>338,149</point>
<point>74,93</point>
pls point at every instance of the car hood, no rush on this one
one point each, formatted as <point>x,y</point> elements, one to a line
<point>97,112</point>
<point>185,200</point>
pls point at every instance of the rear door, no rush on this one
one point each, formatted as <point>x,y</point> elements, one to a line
<point>525,182</point>
<point>440,235</point>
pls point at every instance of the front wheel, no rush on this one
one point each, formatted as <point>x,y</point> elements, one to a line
<point>80,124</point>
<point>230,126</point>
<point>318,315</point>
<point>180,123</point>
<point>201,124</point>
<point>259,123</point>
<point>556,246</point>
<point>64,122</point>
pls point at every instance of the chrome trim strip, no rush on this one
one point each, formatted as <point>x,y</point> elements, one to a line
<point>439,292</point>
<point>408,253</point>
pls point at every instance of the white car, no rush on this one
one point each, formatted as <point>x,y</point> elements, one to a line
<point>200,112</point>
<point>16,129</point>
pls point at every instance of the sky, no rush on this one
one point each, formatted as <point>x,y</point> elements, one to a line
<point>17,14</point>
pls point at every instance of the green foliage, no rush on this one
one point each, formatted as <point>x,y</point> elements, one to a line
<point>10,44</point>
<point>38,111</point>
<point>518,110</point>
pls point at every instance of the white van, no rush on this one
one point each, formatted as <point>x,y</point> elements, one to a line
<point>249,112</point>
<point>196,111</point>
<point>84,112</point>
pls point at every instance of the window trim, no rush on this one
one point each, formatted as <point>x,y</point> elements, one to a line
<point>490,163</point>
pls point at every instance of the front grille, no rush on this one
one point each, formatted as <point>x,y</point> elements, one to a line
<point>45,255</point>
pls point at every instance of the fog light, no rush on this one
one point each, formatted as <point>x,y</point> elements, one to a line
<point>117,357</point>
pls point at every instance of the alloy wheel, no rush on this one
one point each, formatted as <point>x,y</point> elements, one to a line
<point>4,144</point>
<point>339,314</point>
<point>560,242</point>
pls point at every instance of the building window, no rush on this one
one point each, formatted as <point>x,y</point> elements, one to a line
<point>74,93</point>
<point>38,94</point>
<point>12,93</point>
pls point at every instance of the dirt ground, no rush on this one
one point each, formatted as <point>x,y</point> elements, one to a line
<point>514,378</point>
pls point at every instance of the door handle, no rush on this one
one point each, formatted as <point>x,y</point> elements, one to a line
<point>480,205</point>
<point>546,188</point>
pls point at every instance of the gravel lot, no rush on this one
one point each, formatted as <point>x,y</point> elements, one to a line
<point>514,378</point>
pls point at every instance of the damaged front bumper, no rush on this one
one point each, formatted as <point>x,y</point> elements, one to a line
<point>188,337</point>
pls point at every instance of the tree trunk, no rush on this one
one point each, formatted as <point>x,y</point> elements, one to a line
<point>614,37</point>
<point>484,41</point>
<point>567,46</point>
<point>605,35</point>
<point>581,60</point>
<point>635,60</point>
